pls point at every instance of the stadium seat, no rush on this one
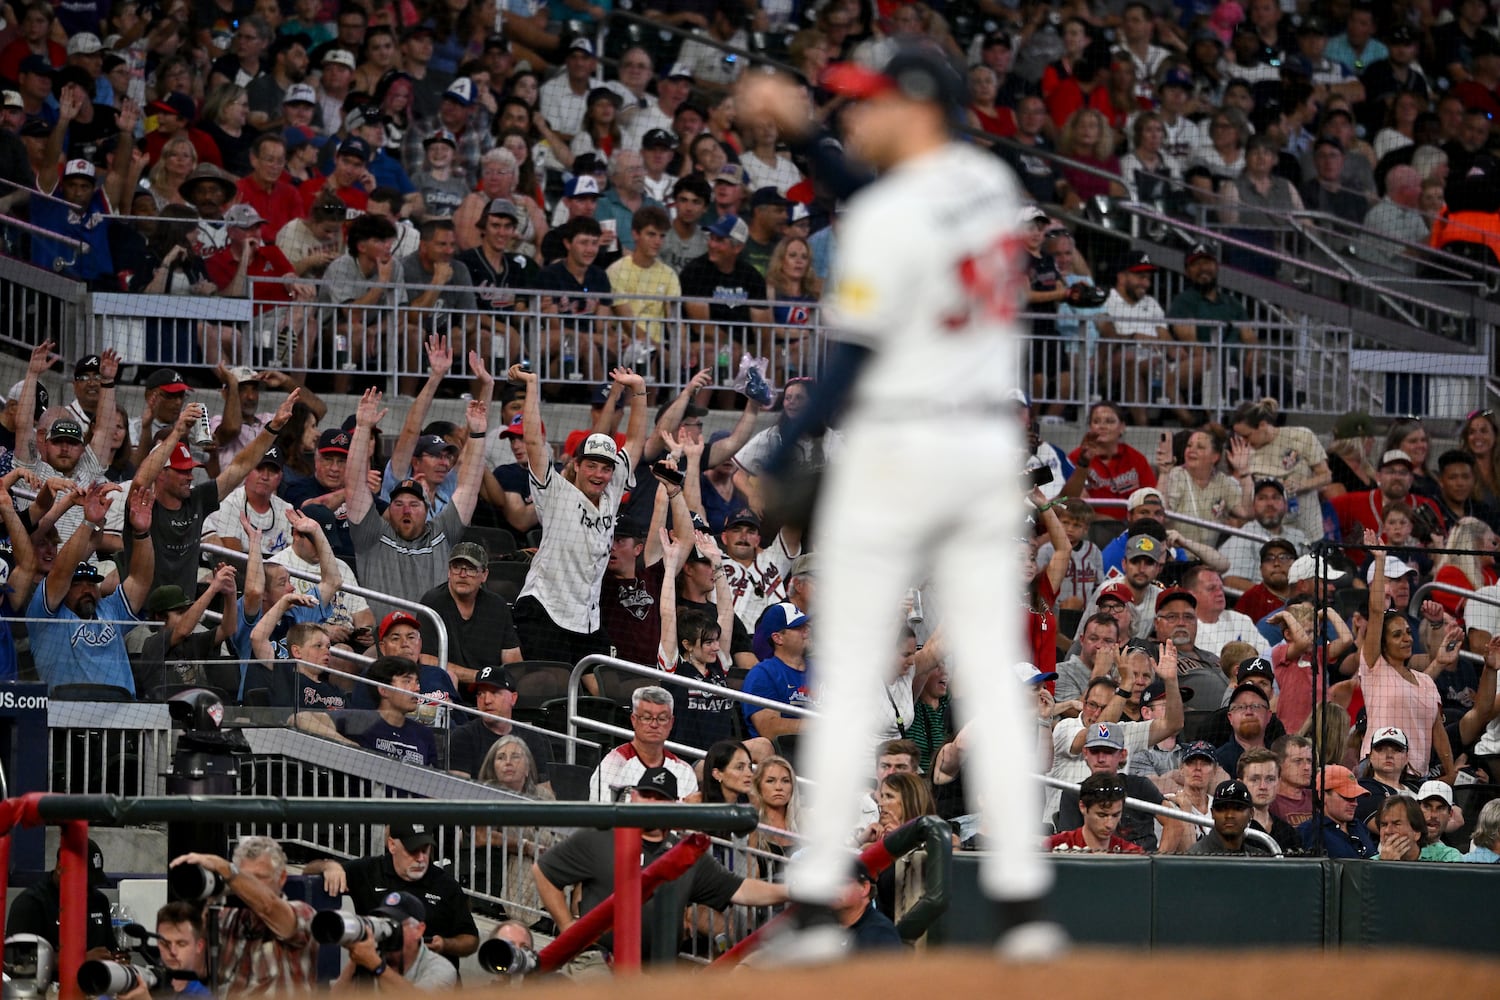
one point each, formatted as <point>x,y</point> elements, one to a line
<point>539,681</point>
<point>498,541</point>
<point>570,782</point>
<point>618,686</point>
<point>507,577</point>
<point>89,692</point>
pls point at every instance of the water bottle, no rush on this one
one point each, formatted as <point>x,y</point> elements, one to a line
<point>341,359</point>
<point>570,358</point>
<point>915,616</point>
<point>724,370</point>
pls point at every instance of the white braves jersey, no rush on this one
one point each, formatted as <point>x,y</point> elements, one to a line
<point>928,277</point>
<point>762,583</point>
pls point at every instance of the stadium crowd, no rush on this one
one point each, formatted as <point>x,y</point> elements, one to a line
<point>1192,642</point>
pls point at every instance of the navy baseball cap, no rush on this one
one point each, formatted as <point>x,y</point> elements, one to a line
<point>335,440</point>
<point>355,146</point>
<point>433,444</point>
<point>1199,749</point>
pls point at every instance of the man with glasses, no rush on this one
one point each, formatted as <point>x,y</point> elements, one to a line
<point>477,620</point>
<point>1336,834</point>
<point>246,60</point>
<point>639,113</point>
<point>624,766</point>
<point>1393,483</point>
<point>1274,590</point>
<point>1104,701</point>
<point>1249,714</point>
<point>1176,623</point>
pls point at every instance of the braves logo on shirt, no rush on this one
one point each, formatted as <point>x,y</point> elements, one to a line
<point>99,636</point>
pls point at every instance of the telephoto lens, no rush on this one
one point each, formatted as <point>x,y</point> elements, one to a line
<point>340,928</point>
<point>194,883</point>
<point>503,958</point>
<point>113,978</point>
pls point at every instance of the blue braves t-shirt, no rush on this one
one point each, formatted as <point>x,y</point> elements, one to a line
<point>73,650</point>
<point>411,743</point>
<point>774,680</point>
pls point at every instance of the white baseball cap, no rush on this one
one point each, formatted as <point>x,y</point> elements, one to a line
<point>1305,568</point>
<point>1396,455</point>
<point>85,43</point>
<point>1390,734</point>
<point>339,57</point>
<point>600,446</point>
<point>79,168</point>
<point>300,92</point>
<point>1435,790</point>
<point>1395,569</point>
<point>1142,495</point>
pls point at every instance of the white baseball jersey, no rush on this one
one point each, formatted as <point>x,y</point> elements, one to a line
<point>927,259</point>
<point>576,535</point>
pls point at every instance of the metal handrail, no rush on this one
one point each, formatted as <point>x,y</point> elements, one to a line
<point>711,42</point>
<point>365,592</point>
<point>1149,213</point>
<point>600,660</point>
<point>1214,525</point>
<point>1259,836</point>
<point>76,245</point>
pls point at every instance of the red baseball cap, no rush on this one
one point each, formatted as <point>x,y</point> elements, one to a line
<point>1119,591</point>
<point>182,459</point>
<point>395,618</point>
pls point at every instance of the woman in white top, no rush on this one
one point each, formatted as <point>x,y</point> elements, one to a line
<point>1227,134</point>
<point>1150,174</point>
<point>1400,124</point>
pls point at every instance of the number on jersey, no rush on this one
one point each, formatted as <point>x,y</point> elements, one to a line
<point>993,282</point>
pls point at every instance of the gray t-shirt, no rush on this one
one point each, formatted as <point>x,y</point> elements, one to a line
<point>677,251</point>
<point>407,569</point>
<point>457,296</point>
<point>345,282</point>
<point>442,198</point>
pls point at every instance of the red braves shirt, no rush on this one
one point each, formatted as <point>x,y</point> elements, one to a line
<point>1363,510</point>
<point>1115,478</point>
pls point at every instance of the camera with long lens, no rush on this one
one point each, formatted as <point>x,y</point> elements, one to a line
<point>340,928</point>
<point>113,978</point>
<point>195,883</point>
<point>30,964</point>
<point>503,958</point>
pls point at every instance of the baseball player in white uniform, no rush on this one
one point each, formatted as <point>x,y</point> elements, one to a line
<point>924,296</point>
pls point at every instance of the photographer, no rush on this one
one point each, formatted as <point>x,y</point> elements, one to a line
<point>266,945</point>
<point>407,866</point>
<point>179,938</point>
<point>410,957</point>
<point>37,910</point>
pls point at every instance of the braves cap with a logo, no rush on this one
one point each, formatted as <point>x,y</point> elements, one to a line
<point>334,441</point>
<point>658,782</point>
